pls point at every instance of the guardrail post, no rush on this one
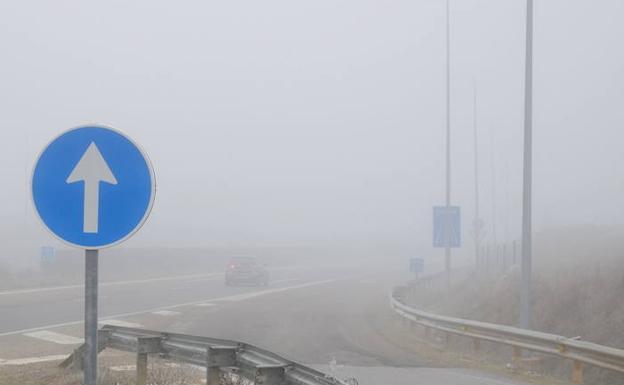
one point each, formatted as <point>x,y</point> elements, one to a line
<point>577,372</point>
<point>517,355</point>
<point>145,346</point>
<point>476,345</point>
<point>212,375</point>
<point>141,368</point>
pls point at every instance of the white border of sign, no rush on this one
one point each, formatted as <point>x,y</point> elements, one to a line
<point>149,206</point>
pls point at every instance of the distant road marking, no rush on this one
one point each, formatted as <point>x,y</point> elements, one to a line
<point>204,304</point>
<point>166,313</point>
<point>115,283</point>
<point>245,296</point>
<point>57,338</point>
<point>199,277</point>
<point>110,319</point>
<point>32,360</point>
<point>120,323</point>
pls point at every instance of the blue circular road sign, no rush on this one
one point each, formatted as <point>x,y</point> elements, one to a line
<point>93,187</point>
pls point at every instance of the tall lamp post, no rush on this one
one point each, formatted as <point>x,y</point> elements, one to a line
<point>447,225</point>
<point>525,290</point>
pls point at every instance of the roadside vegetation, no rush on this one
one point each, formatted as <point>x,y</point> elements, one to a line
<point>578,281</point>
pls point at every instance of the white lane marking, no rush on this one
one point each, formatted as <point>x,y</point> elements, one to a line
<point>120,323</point>
<point>242,297</point>
<point>106,319</point>
<point>57,338</point>
<point>166,313</point>
<point>285,280</point>
<point>32,360</point>
<point>115,283</point>
<point>204,304</point>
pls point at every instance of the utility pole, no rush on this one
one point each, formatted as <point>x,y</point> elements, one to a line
<point>447,249</point>
<point>493,171</point>
<point>525,290</point>
<point>477,223</point>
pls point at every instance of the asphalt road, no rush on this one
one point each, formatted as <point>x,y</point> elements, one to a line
<point>335,319</point>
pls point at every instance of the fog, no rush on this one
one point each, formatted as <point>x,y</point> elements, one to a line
<point>319,124</point>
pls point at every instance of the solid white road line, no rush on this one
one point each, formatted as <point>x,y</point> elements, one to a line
<point>104,320</point>
<point>104,284</point>
<point>245,296</point>
<point>285,280</point>
<point>32,360</point>
<point>57,338</point>
<point>166,313</point>
<point>204,304</point>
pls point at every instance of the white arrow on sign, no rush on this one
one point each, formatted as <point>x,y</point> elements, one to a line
<point>91,169</point>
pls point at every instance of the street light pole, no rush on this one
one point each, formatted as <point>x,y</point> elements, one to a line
<point>447,249</point>
<point>525,290</point>
<point>477,224</point>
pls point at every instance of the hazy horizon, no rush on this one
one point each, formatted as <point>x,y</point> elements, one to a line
<point>289,123</point>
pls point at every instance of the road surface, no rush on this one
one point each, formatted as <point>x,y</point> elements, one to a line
<point>337,320</point>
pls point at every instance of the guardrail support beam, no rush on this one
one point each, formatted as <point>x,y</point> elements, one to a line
<point>141,368</point>
<point>517,355</point>
<point>577,372</point>
<point>145,345</point>
<point>476,345</point>
<point>212,375</point>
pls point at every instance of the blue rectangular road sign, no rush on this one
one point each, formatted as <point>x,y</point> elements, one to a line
<point>48,254</point>
<point>441,220</point>
<point>417,265</point>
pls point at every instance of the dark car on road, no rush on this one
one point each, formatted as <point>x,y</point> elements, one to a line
<point>246,271</point>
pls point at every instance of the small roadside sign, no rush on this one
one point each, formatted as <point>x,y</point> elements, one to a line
<point>48,255</point>
<point>417,265</point>
<point>446,226</point>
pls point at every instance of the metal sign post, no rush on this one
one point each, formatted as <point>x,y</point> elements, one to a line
<point>91,317</point>
<point>92,188</point>
<point>525,288</point>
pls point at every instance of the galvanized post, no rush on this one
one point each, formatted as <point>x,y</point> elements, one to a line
<point>476,345</point>
<point>504,257</point>
<point>517,355</point>
<point>91,317</point>
<point>212,375</point>
<point>525,288</point>
<point>141,368</point>
<point>447,224</point>
<point>577,372</point>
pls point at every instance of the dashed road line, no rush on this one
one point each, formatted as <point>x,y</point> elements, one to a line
<point>57,338</point>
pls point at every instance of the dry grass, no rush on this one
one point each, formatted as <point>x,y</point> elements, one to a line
<point>578,283</point>
<point>160,372</point>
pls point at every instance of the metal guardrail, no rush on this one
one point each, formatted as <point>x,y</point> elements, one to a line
<point>580,352</point>
<point>216,355</point>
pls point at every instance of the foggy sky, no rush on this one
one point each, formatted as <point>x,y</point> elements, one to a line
<point>272,122</point>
